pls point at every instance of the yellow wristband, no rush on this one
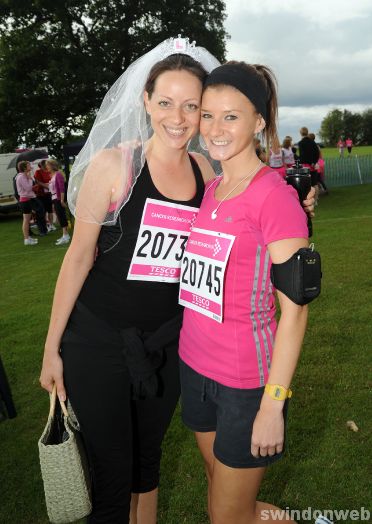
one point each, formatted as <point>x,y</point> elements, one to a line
<point>277,392</point>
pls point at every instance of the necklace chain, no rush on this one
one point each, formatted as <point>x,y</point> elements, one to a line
<point>251,174</point>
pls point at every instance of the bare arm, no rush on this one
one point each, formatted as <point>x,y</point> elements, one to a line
<point>77,263</point>
<point>268,429</point>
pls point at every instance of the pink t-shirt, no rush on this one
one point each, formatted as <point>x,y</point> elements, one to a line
<point>349,142</point>
<point>238,351</point>
<point>24,185</point>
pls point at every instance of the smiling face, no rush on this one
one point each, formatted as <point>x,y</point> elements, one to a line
<point>174,107</point>
<point>228,122</point>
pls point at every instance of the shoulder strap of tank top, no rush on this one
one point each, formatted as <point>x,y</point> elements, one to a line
<point>197,173</point>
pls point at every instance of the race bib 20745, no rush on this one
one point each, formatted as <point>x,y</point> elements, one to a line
<point>203,272</point>
<point>161,242</point>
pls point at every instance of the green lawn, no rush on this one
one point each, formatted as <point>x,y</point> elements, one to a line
<point>326,466</point>
<point>332,152</point>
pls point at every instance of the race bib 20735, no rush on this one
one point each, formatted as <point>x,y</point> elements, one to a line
<point>161,242</point>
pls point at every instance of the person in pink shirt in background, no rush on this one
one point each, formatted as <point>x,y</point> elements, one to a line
<point>57,189</point>
<point>349,145</point>
<point>341,147</point>
<point>234,356</point>
<point>28,203</point>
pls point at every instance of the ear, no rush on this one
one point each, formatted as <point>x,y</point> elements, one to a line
<point>260,125</point>
<point>146,100</point>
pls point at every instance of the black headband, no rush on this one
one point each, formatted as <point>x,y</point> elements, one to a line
<point>246,81</point>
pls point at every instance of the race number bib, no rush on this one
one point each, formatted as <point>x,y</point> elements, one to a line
<point>203,271</point>
<point>161,241</point>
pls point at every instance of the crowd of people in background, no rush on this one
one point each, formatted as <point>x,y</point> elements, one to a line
<point>283,156</point>
<point>41,196</point>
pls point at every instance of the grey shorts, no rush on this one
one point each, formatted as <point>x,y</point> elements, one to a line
<point>210,406</point>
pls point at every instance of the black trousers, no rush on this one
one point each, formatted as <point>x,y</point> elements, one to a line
<point>61,213</point>
<point>46,200</point>
<point>123,436</point>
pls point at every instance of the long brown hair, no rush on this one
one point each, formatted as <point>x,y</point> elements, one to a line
<point>53,164</point>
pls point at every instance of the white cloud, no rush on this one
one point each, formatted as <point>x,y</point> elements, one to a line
<point>359,58</point>
<point>314,65</point>
<point>320,51</point>
<point>292,118</point>
<point>319,12</point>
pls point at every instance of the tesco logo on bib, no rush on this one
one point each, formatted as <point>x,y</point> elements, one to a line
<point>163,270</point>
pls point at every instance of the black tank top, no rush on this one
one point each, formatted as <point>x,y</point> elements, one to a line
<point>106,291</point>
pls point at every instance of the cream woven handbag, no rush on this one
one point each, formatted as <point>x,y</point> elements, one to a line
<point>64,467</point>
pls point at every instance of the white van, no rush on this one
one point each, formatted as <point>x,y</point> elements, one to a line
<point>8,202</point>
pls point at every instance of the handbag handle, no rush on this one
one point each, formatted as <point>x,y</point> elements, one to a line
<point>53,398</point>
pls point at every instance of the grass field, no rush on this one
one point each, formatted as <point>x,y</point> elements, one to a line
<point>326,465</point>
<point>332,152</point>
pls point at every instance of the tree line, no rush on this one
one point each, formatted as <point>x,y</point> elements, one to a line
<point>58,59</point>
<point>345,124</point>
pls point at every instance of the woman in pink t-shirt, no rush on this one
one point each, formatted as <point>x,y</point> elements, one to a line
<point>237,363</point>
<point>28,203</point>
<point>349,145</point>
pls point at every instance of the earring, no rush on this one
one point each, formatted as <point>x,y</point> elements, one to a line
<point>262,125</point>
<point>202,143</point>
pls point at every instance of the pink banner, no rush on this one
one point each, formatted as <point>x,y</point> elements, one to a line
<point>169,217</point>
<point>213,247</point>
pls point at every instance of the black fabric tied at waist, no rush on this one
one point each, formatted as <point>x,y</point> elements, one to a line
<point>143,351</point>
<point>6,399</point>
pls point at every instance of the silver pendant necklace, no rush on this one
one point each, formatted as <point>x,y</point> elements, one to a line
<point>251,174</point>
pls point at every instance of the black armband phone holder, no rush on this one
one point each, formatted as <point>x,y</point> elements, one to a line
<point>299,277</point>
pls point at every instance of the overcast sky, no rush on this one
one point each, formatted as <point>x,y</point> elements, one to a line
<point>320,51</point>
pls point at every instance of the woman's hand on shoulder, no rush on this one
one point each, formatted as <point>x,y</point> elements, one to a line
<point>310,201</point>
<point>204,166</point>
